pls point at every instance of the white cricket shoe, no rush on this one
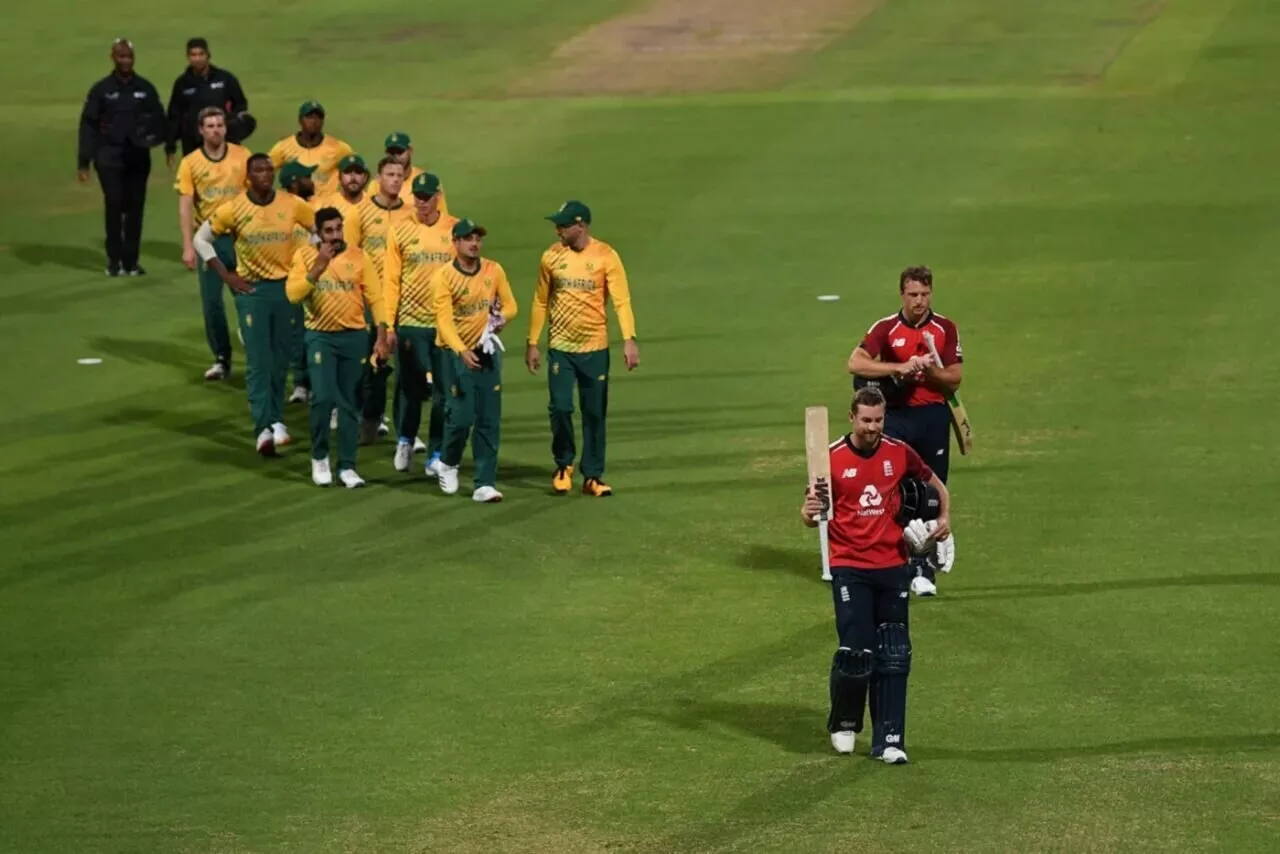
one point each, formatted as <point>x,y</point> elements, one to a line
<point>486,495</point>
<point>350,479</point>
<point>280,434</point>
<point>384,429</point>
<point>266,443</point>
<point>219,371</point>
<point>843,742</point>
<point>321,475</point>
<point>922,586</point>
<point>419,446</point>
<point>333,419</point>
<point>447,477</point>
<point>404,456</point>
<point>894,756</point>
<point>433,465</point>
<point>300,394</point>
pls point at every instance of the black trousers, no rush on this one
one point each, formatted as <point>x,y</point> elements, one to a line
<point>865,600</point>
<point>123,176</point>
<point>927,429</point>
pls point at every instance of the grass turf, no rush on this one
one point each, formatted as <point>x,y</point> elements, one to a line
<point>203,653</point>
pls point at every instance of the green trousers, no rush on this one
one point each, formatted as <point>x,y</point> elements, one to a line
<point>216,331</point>
<point>473,407</point>
<point>336,362</point>
<point>373,384</point>
<point>266,325</point>
<point>298,348</point>
<point>419,358</point>
<point>589,373</point>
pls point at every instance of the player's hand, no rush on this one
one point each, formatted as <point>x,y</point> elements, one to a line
<point>943,529</point>
<point>631,354</point>
<point>189,257</point>
<point>471,360</point>
<point>391,340</point>
<point>946,554</point>
<point>916,533</point>
<point>325,252</point>
<point>82,176</point>
<point>236,283</point>
<point>532,358</point>
<point>813,505</point>
<point>169,159</point>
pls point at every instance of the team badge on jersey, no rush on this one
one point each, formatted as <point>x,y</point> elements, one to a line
<point>888,469</point>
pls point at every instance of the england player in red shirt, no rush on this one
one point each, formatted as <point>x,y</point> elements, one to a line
<point>871,576</point>
<point>894,352</point>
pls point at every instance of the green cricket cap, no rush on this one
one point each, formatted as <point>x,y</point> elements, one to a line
<point>309,107</point>
<point>465,228</point>
<point>426,185</point>
<point>292,171</point>
<point>570,212</point>
<point>398,141</point>
<point>353,162</point>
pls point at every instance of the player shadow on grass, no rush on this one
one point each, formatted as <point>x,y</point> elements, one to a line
<point>1177,745</point>
<point>1047,590</point>
<point>795,728</point>
<point>86,257</point>
<point>804,563</point>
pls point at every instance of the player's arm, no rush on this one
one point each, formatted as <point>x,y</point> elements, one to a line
<point>235,96</point>
<point>865,360</point>
<point>538,315</point>
<point>375,296</point>
<point>615,281</point>
<point>186,187</point>
<point>222,222</point>
<point>507,299</point>
<point>442,296</point>
<point>277,155</point>
<point>303,215</point>
<point>299,285</point>
<point>917,467</point>
<point>89,117</point>
<point>947,377</point>
<point>392,269</point>
<point>175,113</point>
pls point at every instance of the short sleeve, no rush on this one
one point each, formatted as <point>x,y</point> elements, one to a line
<point>185,183</point>
<point>917,467</point>
<point>875,342</point>
<point>223,220</point>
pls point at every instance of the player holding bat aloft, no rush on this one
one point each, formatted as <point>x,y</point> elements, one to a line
<point>871,575</point>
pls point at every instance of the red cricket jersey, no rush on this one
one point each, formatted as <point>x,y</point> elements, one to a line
<point>892,339</point>
<point>862,532</point>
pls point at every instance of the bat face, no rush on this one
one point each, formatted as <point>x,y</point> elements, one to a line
<point>817,450</point>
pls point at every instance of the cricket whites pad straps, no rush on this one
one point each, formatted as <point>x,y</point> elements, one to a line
<point>853,663</point>
<point>919,500</point>
<point>893,654</point>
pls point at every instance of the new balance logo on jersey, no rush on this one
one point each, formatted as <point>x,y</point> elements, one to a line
<point>848,473</point>
<point>898,342</point>
<point>870,497</point>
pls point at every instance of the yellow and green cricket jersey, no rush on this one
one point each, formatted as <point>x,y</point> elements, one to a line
<point>263,232</point>
<point>572,290</point>
<point>336,301</point>
<point>375,225</point>
<point>463,300</point>
<point>324,157</point>
<point>414,252</point>
<point>406,191</point>
<point>212,182</point>
<point>350,211</point>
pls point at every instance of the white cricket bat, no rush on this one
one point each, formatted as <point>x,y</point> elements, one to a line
<point>959,417</point>
<point>817,454</point>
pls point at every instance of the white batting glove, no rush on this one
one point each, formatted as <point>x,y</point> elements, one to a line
<point>946,554</point>
<point>916,533</point>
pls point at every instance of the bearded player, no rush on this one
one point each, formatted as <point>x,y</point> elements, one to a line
<point>871,576</point>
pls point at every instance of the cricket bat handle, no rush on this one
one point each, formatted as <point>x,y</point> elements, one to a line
<point>826,553</point>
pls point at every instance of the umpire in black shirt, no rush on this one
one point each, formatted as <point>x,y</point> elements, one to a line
<point>202,85</point>
<point>121,121</point>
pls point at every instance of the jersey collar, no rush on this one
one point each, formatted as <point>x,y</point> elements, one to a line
<point>902,318</point>
<point>866,455</point>
<point>464,272</point>
<point>397,206</point>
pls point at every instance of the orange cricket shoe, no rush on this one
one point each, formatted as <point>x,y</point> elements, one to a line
<point>562,481</point>
<point>596,488</point>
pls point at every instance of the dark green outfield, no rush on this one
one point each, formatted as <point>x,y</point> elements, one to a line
<point>201,652</point>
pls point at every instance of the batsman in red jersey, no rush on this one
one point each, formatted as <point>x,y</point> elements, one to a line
<point>871,576</point>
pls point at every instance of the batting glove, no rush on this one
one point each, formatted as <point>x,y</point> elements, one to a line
<point>916,533</point>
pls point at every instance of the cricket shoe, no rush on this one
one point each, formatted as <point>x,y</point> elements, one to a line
<point>135,270</point>
<point>893,756</point>
<point>280,435</point>
<point>419,446</point>
<point>384,429</point>
<point>404,455</point>
<point>350,479</point>
<point>562,480</point>
<point>486,495</point>
<point>447,477</point>
<point>321,475</point>
<point>843,742</point>
<point>300,394</point>
<point>266,443</point>
<point>433,465</point>
<point>596,488</point>
<point>219,371</point>
<point>922,586</point>
<point>113,269</point>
